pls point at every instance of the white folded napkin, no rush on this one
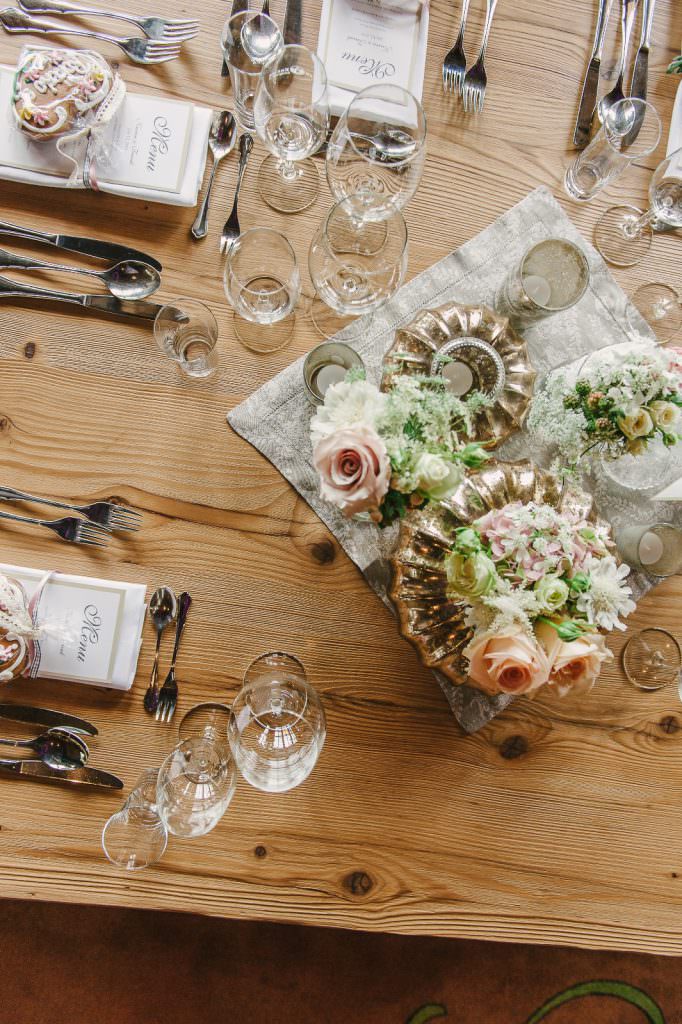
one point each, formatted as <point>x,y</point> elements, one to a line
<point>675,136</point>
<point>93,628</point>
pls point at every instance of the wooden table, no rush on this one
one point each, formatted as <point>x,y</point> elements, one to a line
<point>559,823</point>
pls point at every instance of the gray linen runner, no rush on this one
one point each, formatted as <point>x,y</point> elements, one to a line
<point>276,418</point>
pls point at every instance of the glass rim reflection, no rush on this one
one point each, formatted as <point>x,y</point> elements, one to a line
<point>420,127</point>
<point>317,67</point>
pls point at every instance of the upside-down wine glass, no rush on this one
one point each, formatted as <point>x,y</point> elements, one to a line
<point>661,307</point>
<point>195,786</point>
<point>624,233</point>
<point>136,836</point>
<point>377,150</point>
<point>652,659</point>
<point>263,284</point>
<point>291,112</point>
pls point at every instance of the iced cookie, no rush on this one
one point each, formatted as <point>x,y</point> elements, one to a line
<point>56,91</point>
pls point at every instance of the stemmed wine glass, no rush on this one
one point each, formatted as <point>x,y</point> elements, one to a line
<point>377,150</point>
<point>624,233</point>
<point>263,284</point>
<point>291,112</point>
<point>661,307</point>
<point>652,659</point>
<point>195,786</point>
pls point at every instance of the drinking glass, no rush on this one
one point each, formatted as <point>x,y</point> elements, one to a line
<point>187,332</point>
<point>328,364</point>
<point>614,147</point>
<point>377,150</point>
<point>291,112</point>
<point>207,721</point>
<point>624,233</point>
<point>136,837</point>
<point>196,783</point>
<point>551,276</point>
<point>655,548</point>
<point>262,282</point>
<point>652,659</point>
<point>661,307</point>
<point>245,59</point>
<point>277,728</point>
<point>355,264</point>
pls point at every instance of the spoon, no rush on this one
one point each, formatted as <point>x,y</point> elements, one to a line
<point>129,279</point>
<point>260,38</point>
<point>163,609</point>
<point>58,748</point>
<point>221,140</point>
<point>628,14</point>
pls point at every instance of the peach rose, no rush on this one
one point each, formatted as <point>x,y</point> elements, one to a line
<point>354,469</point>
<point>510,663</point>
<point>575,664</point>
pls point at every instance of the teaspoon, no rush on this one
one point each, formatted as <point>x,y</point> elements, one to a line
<point>261,38</point>
<point>163,609</point>
<point>58,748</point>
<point>221,141</point>
<point>129,279</point>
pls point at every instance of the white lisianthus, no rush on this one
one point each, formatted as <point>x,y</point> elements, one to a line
<point>347,404</point>
<point>665,415</point>
<point>637,424</point>
<point>437,477</point>
<point>551,592</point>
<point>470,575</point>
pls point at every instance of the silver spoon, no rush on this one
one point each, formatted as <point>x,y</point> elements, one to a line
<point>628,14</point>
<point>58,748</point>
<point>129,279</point>
<point>163,609</point>
<point>261,38</point>
<point>220,141</point>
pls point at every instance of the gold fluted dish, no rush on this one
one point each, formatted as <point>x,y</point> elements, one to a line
<point>472,330</point>
<point>429,619</point>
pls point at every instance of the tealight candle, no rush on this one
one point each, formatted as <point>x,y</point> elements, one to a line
<point>537,288</point>
<point>327,375</point>
<point>553,275</point>
<point>650,548</point>
<point>656,548</point>
<point>327,364</point>
<point>459,378</point>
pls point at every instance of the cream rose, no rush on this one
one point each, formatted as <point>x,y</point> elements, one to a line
<point>639,424</point>
<point>575,664</point>
<point>551,592</point>
<point>436,476</point>
<point>637,447</point>
<point>507,663</point>
<point>354,469</point>
<point>665,415</point>
<point>470,575</point>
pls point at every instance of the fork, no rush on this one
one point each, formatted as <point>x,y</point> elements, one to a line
<point>168,694</point>
<point>455,62</point>
<point>231,230</point>
<point>476,80</point>
<point>104,513</point>
<point>141,51</point>
<point>77,531</point>
<point>176,30</point>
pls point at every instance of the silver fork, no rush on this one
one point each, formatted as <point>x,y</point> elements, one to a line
<point>104,513</point>
<point>168,694</point>
<point>175,30</point>
<point>476,80</point>
<point>455,63</point>
<point>77,531</point>
<point>141,51</point>
<point>231,229</point>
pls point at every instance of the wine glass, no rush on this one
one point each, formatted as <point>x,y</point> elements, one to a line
<point>652,659</point>
<point>207,721</point>
<point>624,233</point>
<point>355,265</point>
<point>195,786</point>
<point>278,727</point>
<point>661,307</point>
<point>136,836</point>
<point>291,112</point>
<point>377,150</point>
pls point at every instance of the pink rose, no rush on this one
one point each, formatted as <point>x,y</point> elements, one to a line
<point>507,663</point>
<point>354,469</point>
<point>576,663</point>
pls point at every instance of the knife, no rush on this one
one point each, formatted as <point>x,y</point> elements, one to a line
<point>32,769</point>
<point>237,7</point>
<point>638,85</point>
<point>292,22</point>
<point>135,308</point>
<point>111,251</point>
<point>45,717</point>
<point>588,100</point>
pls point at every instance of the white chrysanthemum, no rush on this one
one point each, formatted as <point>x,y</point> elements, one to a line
<point>608,597</point>
<point>347,404</point>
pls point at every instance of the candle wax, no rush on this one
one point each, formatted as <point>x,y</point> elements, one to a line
<point>459,378</point>
<point>650,548</point>
<point>328,375</point>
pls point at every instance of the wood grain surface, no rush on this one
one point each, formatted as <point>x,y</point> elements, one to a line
<point>559,823</point>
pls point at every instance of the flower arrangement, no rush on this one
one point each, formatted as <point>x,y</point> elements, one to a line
<point>540,585</point>
<point>675,66</point>
<point>616,408</point>
<point>383,454</point>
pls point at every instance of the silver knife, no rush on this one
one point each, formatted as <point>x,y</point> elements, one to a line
<point>292,22</point>
<point>31,769</point>
<point>638,86</point>
<point>237,6</point>
<point>46,718</point>
<point>111,251</point>
<point>104,303</point>
<point>588,100</point>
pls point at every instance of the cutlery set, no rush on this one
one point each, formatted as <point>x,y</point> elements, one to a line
<point>164,610</point>
<point>161,40</point>
<point>99,519</point>
<point>470,84</point>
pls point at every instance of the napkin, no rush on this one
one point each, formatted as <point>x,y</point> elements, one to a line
<point>93,629</point>
<point>675,136</point>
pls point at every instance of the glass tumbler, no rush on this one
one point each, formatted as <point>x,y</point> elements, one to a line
<point>249,39</point>
<point>655,548</point>
<point>196,784</point>
<point>262,282</point>
<point>355,265</point>
<point>187,332</point>
<point>136,837</point>
<point>328,364</point>
<point>376,153</point>
<point>292,116</point>
<point>551,276</point>
<point>278,727</point>
<point>631,130</point>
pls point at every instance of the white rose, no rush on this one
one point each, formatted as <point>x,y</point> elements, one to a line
<point>551,592</point>
<point>638,424</point>
<point>664,415</point>
<point>470,575</point>
<point>436,477</point>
